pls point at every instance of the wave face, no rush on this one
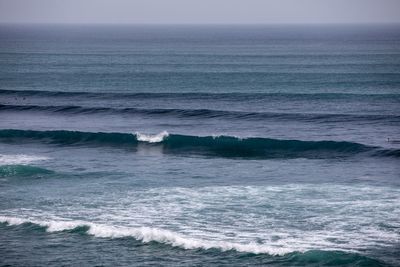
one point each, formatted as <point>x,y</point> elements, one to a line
<point>19,166</point>
<point>225,146</point>
<point>22,171</point>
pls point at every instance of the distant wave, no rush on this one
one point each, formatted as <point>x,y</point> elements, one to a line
<point>205,113</point>
<point>193,95</point>
<point>223,146</point>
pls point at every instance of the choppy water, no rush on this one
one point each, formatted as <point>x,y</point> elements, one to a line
<point>200,145</point>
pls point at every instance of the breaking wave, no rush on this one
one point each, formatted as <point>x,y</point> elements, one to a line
<point>148,234</point>
<point>156,138</point>
<point>224,146</point>
<point>296,256</point>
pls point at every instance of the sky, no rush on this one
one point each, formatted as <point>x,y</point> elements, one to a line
<point>200,11</point>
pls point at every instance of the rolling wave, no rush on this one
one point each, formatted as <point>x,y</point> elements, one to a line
<point>148,235</point>
<point>205,113</point>
<point>223,146</point>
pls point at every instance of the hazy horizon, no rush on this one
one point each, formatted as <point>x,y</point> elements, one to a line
<point>191,12</point>
<point>200,24</point>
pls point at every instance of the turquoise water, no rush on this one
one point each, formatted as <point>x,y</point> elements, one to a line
<point>199,145</point>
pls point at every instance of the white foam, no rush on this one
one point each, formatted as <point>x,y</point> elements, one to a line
<point>20,159</point>
<point>52,226</point>
<point>216,136</point>
<point>12,220</point>
<point>339,217</point>
<point>147,234</point>
<point>152,138</point>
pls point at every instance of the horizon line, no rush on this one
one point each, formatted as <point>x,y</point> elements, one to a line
<point>200,24</point>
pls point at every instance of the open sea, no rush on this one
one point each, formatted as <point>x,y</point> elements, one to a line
<point>199,145</point>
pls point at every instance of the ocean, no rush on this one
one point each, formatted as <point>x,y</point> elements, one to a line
<point>213,145</point>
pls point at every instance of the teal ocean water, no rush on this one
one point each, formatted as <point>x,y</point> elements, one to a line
<point>199,145</point>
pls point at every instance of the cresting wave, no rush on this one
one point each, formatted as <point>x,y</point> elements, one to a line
<point>224,146</point>
<point>204,113</point>
<point>148,234</point>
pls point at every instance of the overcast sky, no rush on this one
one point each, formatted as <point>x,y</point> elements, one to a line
<point>200,11</point>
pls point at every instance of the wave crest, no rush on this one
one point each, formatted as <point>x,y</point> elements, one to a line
<point>155,138</point>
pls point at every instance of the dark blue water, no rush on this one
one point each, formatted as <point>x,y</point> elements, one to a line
<point>200,145</point>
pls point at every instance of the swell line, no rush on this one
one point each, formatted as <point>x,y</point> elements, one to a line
<point>203,113</point>
<point>220,146</point>
<point>198,95</point>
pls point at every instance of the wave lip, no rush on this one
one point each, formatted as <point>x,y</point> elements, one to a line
<point>148,234</point>
<point>222,146</point>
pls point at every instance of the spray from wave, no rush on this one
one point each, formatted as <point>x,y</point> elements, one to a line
<point>156,138</point>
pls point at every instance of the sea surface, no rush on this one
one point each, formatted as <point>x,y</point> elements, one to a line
<point>126,145</point>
